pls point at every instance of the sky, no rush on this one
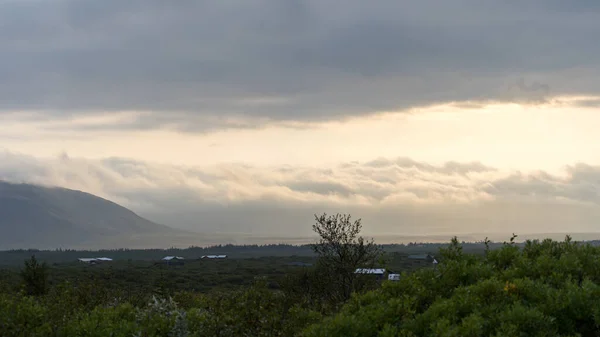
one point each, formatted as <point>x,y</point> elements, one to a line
<point>420,117</point>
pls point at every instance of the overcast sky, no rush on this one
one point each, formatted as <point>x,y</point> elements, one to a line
<point>421,117</point>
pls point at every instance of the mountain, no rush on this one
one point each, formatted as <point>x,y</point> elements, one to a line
<point>49,217</point>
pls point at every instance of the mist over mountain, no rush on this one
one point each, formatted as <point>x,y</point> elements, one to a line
<point>50,217</point>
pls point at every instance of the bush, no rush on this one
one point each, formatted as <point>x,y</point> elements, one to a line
<point>67,311</point>
<point>22,316</point>
<point>35,277</point>
<point>544,289</point>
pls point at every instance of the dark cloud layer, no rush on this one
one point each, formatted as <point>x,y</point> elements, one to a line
<point>289,60</point>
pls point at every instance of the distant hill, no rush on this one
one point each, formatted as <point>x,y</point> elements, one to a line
<point>41,217</point>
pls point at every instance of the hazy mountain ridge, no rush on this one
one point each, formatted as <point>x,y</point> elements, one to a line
<point>40,217</point>
<point>49,217</point>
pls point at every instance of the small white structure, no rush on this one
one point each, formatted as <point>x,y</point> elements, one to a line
<point>214,256</point>
<point>94,260</point>
<point>378,271</point>
<point>394,277</point>
<point>435,261</point>
<point>170,258</point>
<point>173,260</point>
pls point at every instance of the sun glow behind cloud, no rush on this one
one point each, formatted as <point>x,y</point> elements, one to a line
<point>512,136</point>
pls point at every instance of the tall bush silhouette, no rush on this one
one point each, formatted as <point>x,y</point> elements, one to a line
<point>35,277</point>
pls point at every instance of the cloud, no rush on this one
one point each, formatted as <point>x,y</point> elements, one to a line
<point>581,185</point>
<point>535,92</point>
<point>196,65</point>
<point>400,196</point>
<point>589,103</point>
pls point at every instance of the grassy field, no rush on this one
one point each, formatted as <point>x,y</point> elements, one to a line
<point>200,275</point>
<point>143,270</point>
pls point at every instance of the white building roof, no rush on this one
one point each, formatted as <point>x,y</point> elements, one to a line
<point>169,258</point>
<point>92,259</point>
<point>378,271</point>
<point>213,256</point>
<point>394,277</point>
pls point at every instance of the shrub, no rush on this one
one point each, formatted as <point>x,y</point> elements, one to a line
<point>547,288</point>
<point>35,277</point>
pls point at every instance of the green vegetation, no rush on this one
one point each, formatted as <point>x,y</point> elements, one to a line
<point>543,288</point>
<point>35,277</point>
<point>341,251</point>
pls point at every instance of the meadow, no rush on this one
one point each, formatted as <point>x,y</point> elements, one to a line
<point>148,272</point>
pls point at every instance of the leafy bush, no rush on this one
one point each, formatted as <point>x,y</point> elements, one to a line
<point>35,277</point>
<point>547,288</point>
<point>66,311</point>
<point>22,316</point>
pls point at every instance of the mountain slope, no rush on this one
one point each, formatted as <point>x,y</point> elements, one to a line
<point>41,217</point>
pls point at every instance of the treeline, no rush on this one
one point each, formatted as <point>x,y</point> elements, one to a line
<point>12,257</point>
<point>17,256</point>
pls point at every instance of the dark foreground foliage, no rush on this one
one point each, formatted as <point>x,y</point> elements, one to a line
<point>545,288</point>
<point>256,311</point>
